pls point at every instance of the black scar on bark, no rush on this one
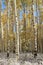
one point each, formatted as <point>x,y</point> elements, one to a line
<point>7,53</point>
<point>35,54</point>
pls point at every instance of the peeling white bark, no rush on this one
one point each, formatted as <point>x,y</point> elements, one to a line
<point>17,31</point>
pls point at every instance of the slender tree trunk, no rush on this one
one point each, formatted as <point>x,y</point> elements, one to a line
<point>0,27</point>
<point>32,20</point>
<point>17,31</point>
<point>8,41</point>
<point>40,43</point>
<point>35,29</point>
<point>2,36</point>
<point>25,25</point>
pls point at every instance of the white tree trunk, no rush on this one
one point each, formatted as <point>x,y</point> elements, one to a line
<point>17,32</point>
<point>34,24</point>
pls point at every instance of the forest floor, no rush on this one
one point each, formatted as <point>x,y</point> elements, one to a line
<point>24,59</point>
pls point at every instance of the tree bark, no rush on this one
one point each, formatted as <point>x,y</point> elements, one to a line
<point>17,31</point>
<point>0,27</point>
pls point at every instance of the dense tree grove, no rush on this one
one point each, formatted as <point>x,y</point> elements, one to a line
<point>21,26</point>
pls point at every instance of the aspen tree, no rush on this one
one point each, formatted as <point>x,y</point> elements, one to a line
<point>17,31</point>
<point>35,29</point>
